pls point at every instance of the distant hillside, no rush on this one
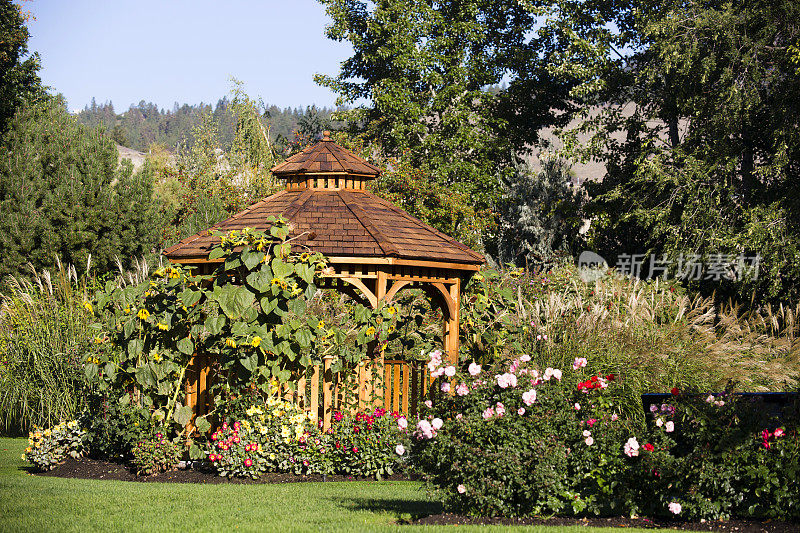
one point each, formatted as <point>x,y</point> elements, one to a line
<point>135,157</point>
<point>145,124</point>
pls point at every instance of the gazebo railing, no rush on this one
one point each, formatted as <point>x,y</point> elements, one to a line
<point>394,385</point>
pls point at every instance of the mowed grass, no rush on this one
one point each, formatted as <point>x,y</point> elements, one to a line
<point>34,503</point>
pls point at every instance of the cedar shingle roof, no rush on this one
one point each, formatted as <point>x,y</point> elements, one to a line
<point>325,156</point>
<point>342,222</point>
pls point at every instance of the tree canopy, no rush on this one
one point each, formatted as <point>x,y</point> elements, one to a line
<point>19,78</point>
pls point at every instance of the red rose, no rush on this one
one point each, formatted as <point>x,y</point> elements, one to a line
<point>675,391</point>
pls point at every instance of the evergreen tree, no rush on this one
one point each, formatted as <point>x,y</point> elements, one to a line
<point>539,214</point>
<point>63,194</point>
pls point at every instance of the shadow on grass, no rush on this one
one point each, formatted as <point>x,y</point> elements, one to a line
<point>406,510</point>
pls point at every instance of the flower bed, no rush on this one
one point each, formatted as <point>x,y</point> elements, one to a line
<point>279,437</point>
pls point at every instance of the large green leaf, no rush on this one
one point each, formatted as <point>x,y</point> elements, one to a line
<point>216,253</point>
<point>297,306</point>
<point>250,362</point>
<point>233,300</point>
<point>280,268</point>
<point>145,376</point>
<point>304,337</point>
<point>306,272</point>
<point>214,324</point>
<point>259,280</point>
<point>189,297</point>
<point>182,414</point>
<point>251,259</point>
<point>186,346</point>
<point>135,347</point>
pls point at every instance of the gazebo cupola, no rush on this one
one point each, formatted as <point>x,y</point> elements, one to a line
<point>326,165</point>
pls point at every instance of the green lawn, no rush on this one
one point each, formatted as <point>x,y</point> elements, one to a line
<point>32,503</point>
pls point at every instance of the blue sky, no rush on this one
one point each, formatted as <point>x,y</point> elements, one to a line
<point>183,51</point>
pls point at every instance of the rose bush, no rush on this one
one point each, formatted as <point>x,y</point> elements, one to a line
<point>516,440</point>
<point>717,457</point>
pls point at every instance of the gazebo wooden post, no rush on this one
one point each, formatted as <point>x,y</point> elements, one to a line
<point>453,323</point>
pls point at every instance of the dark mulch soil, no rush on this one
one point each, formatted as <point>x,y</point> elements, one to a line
<point>731,526</point>
<point>86,468</point>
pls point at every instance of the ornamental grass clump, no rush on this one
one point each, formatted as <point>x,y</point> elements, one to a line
<point>49,447</point>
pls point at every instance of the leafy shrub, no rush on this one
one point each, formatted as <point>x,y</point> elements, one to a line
<point>514,441</point>
<point>156,454</point>
<point>369,445</point>
<point>113,429</point>
<point>49,447</point>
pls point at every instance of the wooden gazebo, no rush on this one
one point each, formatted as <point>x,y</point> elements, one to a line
<point>375,248</point>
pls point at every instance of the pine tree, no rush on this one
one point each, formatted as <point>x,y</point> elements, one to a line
<point>63,194</point>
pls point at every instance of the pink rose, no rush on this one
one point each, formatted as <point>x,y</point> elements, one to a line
<point>669,426</point>
<point>461,489</point>
<point>521,411</point>
<point>474,369</point>
<point>506,380</point>
<point>425,429</point>
<point>462,389</point>
<point>529,397</point>
<point>500,409</point>
<point>402,423</point>
<point>450,371</point>
<point>674,508</point>
<point>488,413</point>
<point>631,447</point>
<point>557,374</point>
<point>436,423</point>
<point>589,441</point>
<point>579,362</point>
<point>577,406</point>
<point>524,358</point>
<point>445,386</point>
<point>779,432</point>
<point>399,449</point>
